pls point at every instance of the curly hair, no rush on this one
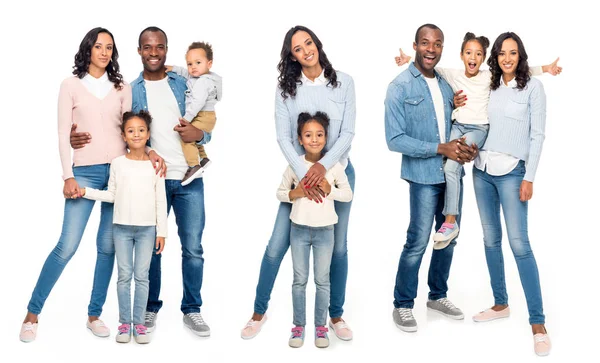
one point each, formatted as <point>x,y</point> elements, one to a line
<point>319,117</point>
<point>83,58</point>
<point>203,45</point>
<point>143,115</point>
<point>483,41</point>
<point>290,71</point>
<point>522,72</point>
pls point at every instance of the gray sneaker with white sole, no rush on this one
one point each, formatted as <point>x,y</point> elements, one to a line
<point>404,319</point>
<point>446,308</point>
<point>196,324</point>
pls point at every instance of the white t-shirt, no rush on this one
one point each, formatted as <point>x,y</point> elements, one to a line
<point>164,109</point>
<point>438,103</point>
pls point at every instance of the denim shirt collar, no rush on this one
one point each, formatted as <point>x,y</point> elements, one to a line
<point>140,79</point>
<point>417,73</point>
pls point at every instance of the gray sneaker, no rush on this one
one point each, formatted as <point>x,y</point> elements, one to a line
<point>196,324</point>
<point>445,307</point>
<point>404,320</point>
<point>150,321</point>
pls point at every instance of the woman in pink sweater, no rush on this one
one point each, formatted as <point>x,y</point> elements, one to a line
<point>93,100</point>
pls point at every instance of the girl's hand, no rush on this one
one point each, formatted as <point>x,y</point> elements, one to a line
<point>158,163</point>
<point>160,244</point>
<point>402,59</point>
<point>526,191</point>
<point>325,186</point>
<point>459,100</point>
<point>81,192</point>
<point>71,189</point>
<point>552,68</point>
<point>314,176</point>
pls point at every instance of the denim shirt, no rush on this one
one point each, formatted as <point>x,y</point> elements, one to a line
<point>177,84</point>
<point>411,126</point>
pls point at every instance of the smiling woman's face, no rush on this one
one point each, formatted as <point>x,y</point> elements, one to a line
<point>304,50</point>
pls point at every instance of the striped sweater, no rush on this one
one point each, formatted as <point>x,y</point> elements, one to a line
<point>517,123</point>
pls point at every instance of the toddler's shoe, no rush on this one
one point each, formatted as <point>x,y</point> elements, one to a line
<point>297,337</point>
<point>124,333</point>
<point>321,337</point>
<point>192,173</point>
<point>205,163</point>
<point>445,235</point>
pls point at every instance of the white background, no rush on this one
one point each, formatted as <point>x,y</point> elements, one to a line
<point>360,39</point>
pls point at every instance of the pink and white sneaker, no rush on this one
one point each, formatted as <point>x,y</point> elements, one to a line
<point>490,314</point>
<point>98,328</point>
<point>341,330</point>
<point>253,327</point>
<point>541,344</point>
<point>28,332</point>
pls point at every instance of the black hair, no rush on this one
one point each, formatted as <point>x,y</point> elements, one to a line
<point>430,26</point>
<point>83,57</point>
<point>203,45</point>
<point>143,115</point>
<point>522,72</point>
<point>319,117</point>
<point>290,71</point>
<point>152,29</point>
<point>483,41</point>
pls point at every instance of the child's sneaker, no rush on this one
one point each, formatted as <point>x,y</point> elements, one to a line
<point>124,333</point>
<point>204,163</point>
<point>321,338</point>
<point>297,338</point>
<point>192,173</point>
<point>28,332</point>
<point>445,235</point>
<point>140,334</point>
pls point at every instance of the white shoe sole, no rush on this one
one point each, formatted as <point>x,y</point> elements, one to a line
<point>98,334</point>
<point>490,319</point>
<point>198,333</point>
<point>442,242</point>
<point>408,329</point>
<point>193,177</point>
<point>123,339</point>
<point>455,317</point>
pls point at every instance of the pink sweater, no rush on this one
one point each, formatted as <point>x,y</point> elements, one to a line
<point>101,118</point>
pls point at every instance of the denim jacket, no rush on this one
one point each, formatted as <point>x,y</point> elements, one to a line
<point>178,85</point>
<point>411,126</point>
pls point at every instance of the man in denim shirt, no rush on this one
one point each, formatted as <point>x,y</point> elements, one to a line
<point>418,107</point>
<point>163,95</point>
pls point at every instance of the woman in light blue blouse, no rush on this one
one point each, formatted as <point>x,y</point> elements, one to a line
<point>503,177</point>
<point>308,83</point>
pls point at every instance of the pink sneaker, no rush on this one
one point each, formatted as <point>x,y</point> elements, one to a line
<point>341,330</point>
<point>28,332</point>
<point>541,344</point>
<point>98,328</point>
<point>253,327</point>
<point>489,315</point>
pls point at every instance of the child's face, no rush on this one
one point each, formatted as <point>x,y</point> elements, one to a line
<point>197,62</point>
<point>472,57</point>
<point>313,137</point>
<point>136,133</point>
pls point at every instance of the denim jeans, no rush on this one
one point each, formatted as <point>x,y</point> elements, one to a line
<point>76,215</point>
<point>322,240</point>
<point>188,205</point>
<point>493,192</point>
<point>426,203</point>
<point>474,134</point>
<point>130,241</point>
<point>278,246</point>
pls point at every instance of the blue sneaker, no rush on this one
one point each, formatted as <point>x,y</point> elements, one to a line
<point>445,235</point>
<point>297,338</point>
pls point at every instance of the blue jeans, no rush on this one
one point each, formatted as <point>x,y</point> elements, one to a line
<point>493,192</point>
<point>474,134</point>
<point>426,203</point>
<point>301,239</point>
<point>278,246</point>
<point>188,205</point>
<point>130,241</point>
<point>76,215</point>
